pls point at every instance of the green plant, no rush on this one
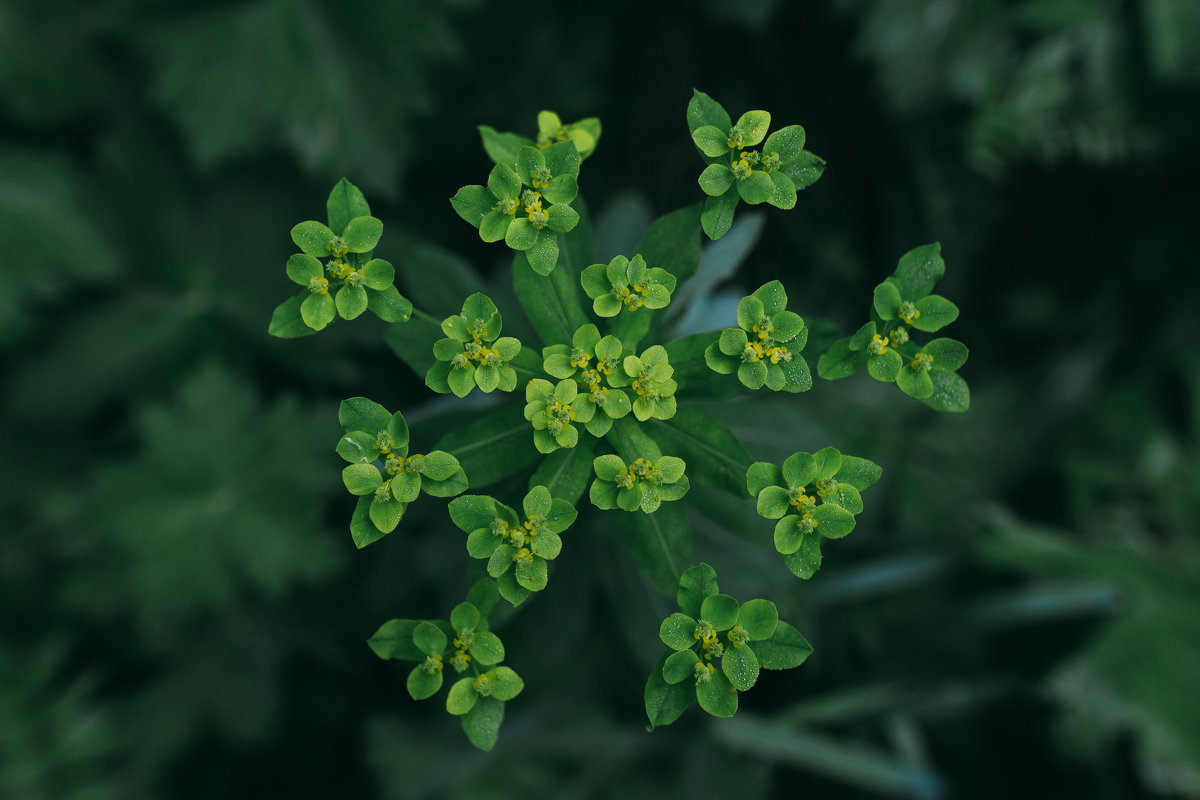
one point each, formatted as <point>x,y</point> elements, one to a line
<point>607,409</point>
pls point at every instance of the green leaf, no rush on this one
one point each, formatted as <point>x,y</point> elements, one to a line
<point>439,466</point>
<point>660,543</point>
<point>562,158</point>
<point>759,618</point>
<point>665,702</point>
<point>563,219</point>
<point>487,649</point>
<point>379,274</point>
<point>562,189</point>
<point>754,125</point>
<point>551,302</point>
<point>678,632</point>
<point>884,366</point>
<point>345,202</point>
<point>760,475</point>
<point>950,392</point>
<point>482,723</point>
<point>594,280</point>
<point>947,353</point>
<point>862,337</point>
<point>385,513</point>
<point>529,159</point>
<point>394,640</point>
<point>421,686</point>
<point>713,454</point>
<point>482,543</point>
<point>362,234</point>
<point>317,310</point>
<point>313,238</point>
<point>462,697</point>
<point>362,530</point>
<point>501,147</point>
<point>936,312</point>
<point>533,577</point>
<point>786,649</point>
<point>858,472</point>
<point>566,472</point>
<point>454,485</point>
<point>887,300</point>
<point>919,271</point>
<point>716,179</point>
<point>672,243</point>
<point>303,268</point>
<point>788,142</point>
<point>717,217</point>
<point>504,182</point>
<point>800,469</point>
<point>711,140</point>
<point>695,584</point>
<point>915,383</point>
<point>784,196</point>
<point>361,479</point>
<point>721,610</point>
<point>840,361</point>
<point>494,446</point>
<point>473,203</point>
<point>463,616</point>
<point>389,305</point>
<point>717,696</point>
<point>506,684</point>
<point>756,188</point>
<point>827,461</point>
<point>406,487</point>
<point>351,301</point>
<point>772,503</point>
<point>703,110</point>
<point>680,666</point>
<point>833,522</point>
<point>494,225</point>
<point>286,320</point>
<point>807,559</point>
<point>429,639</point>
<point>788,536</point>
<point>740,666</point>
<point>510,590</point>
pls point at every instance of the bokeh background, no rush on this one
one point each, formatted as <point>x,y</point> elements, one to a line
<point>182,612</point>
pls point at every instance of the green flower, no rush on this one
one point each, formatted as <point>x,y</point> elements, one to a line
<point>382,473</point>
<point>464,644</point>
<point>361,282</point>
<point>516,550</point>
<point>652,383</point>
<point>812,496</point>
<point>765,348</point>
<point>552,409</point>
<point>474,353</point>
<point>626,284</point>
<point>595,363</point>
<point>527,219</point>
<point>718,649</point>
<point>903,304</point>
<point>642,485</point>
<point>502,147</point>
<point>737,171</point>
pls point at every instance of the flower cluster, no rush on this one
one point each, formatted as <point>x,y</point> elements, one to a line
<point>626,284</point>
<point>764,350</point>
<point>812,496</point>
<point>903,304</point>
<point>465,645</point>
<point>595,363</point>
<point>736,171</point>
<point>382,473</point>
<point>516,550</point>
<point>718,649</point>
<point>502,147</point>
<point>473,354</point>
<point>641,485</point>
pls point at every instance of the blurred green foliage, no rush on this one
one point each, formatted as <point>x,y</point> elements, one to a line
<point>182,612</point>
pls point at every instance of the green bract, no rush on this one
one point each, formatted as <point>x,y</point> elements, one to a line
<point>362,282</point>
<point>651,373</point>
<point>516,550</point>
<point>711,630</point>
<point>382,473</point>
<point>736,171</point>
<point>764,350</point>
<point>626,284</point>
<point>642,485</point>
<point>502,147</point>
<point>552,408</point>
<point>903,304</point>
<point>595,363</point>
<point>465,644</point>
<point>527,219</point>
<point>474,353</point>
<point>791,496</point>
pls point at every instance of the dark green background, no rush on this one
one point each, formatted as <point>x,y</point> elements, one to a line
<point>182,610</point>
